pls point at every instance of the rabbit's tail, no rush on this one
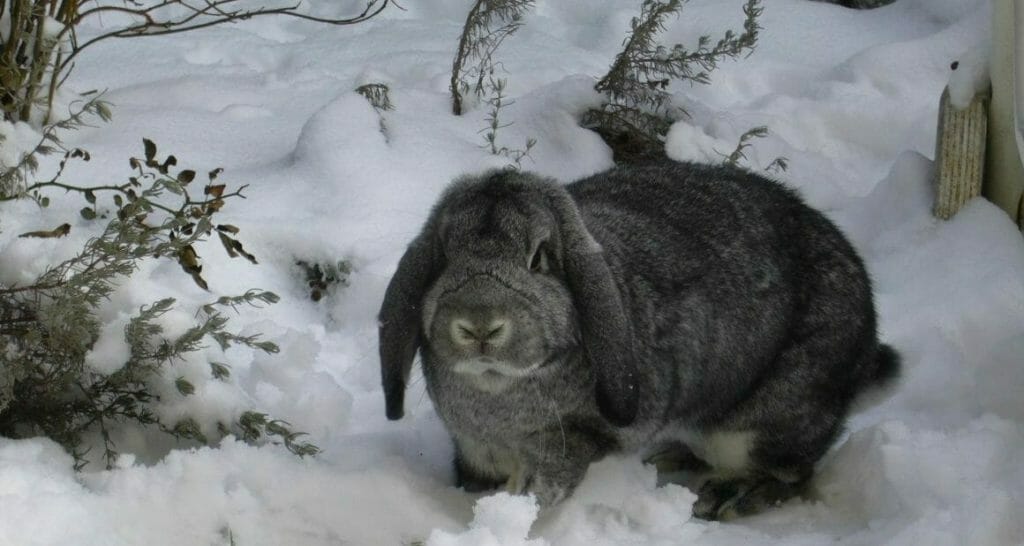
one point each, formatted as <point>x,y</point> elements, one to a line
<point>887,367</point>
<point>878,381</point>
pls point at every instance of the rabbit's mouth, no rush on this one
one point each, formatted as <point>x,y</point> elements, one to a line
<point>493,376</point>
<point>492,368</point>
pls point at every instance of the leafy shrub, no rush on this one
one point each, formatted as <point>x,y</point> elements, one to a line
<point>638,111</point>
<point>322,277</point>
<point>48,328</point>
<point>487,25</point>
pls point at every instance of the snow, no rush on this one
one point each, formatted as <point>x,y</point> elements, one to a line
<point>849,97</point>
<point>970,75</point>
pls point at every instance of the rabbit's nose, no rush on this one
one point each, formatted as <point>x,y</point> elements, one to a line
<point>494,332</point>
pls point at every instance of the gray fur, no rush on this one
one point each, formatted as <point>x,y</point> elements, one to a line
<point>669,303</point>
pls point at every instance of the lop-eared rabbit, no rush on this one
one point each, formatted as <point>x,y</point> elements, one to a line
<point>637,309</point>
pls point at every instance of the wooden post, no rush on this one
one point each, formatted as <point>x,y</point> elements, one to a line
<point>960,153</point>
<point>1004,175</point>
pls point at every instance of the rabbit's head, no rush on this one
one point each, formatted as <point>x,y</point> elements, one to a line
<point>503,282</point>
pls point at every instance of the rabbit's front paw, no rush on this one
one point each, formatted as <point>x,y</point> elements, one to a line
<point>547,491</point>
<point>728,498</point>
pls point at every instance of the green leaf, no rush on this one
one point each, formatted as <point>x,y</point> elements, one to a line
<point>174,187</point>
<point>220,371</point>
<point>278,428</point>
<point>267,347</point>
<point>252,424</point>
<point>88,213</point>
<point>269,296</point>
<point>186,176</point>
<point>188,428</point>
<point>184,387</point>
<point>103,112</point>
<point>118,201</point>
<point>90,197</point>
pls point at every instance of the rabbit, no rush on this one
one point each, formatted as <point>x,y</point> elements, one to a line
<point>642,307</point>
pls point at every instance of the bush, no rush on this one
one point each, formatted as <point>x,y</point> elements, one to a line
<point>638,111</point>
<point>48,328</point>
<point>487,25</point>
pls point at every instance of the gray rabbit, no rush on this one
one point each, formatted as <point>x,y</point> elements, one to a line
<point>638,309</point>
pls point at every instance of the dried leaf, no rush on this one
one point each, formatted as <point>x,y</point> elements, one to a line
<point>59,231</point>
<point>186,176</point>
<point>189,260</point>
<point>200,281</point>
<point>227,228</point>
<point>214,173</point>
<point>168,163</point>
<point>214,190</point>
<point>237,246</point>
<point>150,149</point>
<point>228,243</point>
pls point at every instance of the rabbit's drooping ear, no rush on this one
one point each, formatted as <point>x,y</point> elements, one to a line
<point>607,336</point>
<point>399,331</point>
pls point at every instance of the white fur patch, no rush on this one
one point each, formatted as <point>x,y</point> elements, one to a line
<point>728,451</point>
<point>479,366</point>
<point>493,376</point>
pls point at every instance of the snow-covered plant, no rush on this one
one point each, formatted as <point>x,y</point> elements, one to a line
<point>377,94</point>
<point>19,157</point>
<point>321,278</point>
<point>638,110</point>
<point>39,47</point>
<point>497,101</point>
<point>487,25</point>
<point>739,154</point>
<point>49,327</point>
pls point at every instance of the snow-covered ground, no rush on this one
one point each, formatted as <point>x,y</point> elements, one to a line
<point>851,100</point>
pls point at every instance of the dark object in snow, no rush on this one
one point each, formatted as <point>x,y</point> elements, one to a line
<point>859,4</point>
<point>630,311</point>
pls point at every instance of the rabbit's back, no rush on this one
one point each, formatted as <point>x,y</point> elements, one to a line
<point>721,269</point>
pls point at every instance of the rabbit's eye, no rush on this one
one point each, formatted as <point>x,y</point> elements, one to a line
<point>539,261</point>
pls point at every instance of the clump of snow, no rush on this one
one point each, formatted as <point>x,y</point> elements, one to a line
<point>18,138</point>
<point>622,503</point>
<point>686,142</point>
<point>953,479</point>
<point>498,520</point>
<point>111,351</point>
<point>969,75</point>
